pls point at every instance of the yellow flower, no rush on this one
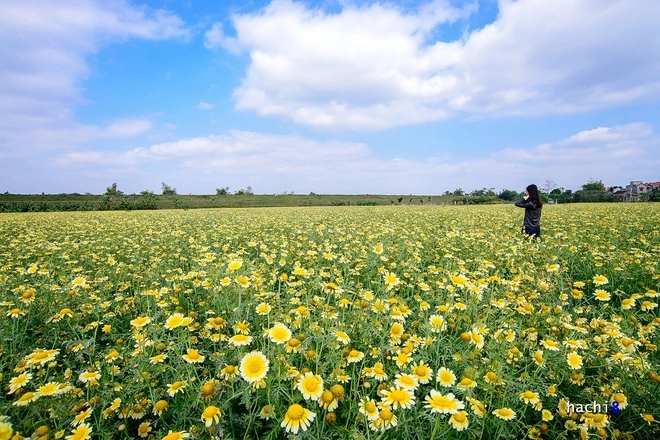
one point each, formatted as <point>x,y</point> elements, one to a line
<point>208,390</point>
<point>144,429</point>
<point>176,435</point>
<point>407,381</point>
<point>437,323</point>
<point>18,382</point>
<point>459,420</point>
<point>443,404</point>
<point>599,280</point>
<point>342,337</point>
<point>422,372</point>
<point>648,305</point>
<point>549,344</point>
<point>293,345</point>
<point>402,359</point>
<point>263,309</point>
<point>297,417</point>
<point>368,408</point>
<point>160,407</point>
<point>620,399</point>
<point>211,414</point>
<point>90,377</point>
<point>79,282</point>
<point>546,415</point>
<point>310,385</point>
<point>158,359</point>
<point>174,321</point>
<point>279,333</point>
<point>529,397</point>
<point>466,383</point>
<point>354,356</point>
<point>446,377</point>
<point>267,412</point>
<point>140,322</point>
<point>398,397</point>
<point>6,429</point>
<point>254,367</point>
<point>386,419</point>
<point>192,356</point>
<point>648,418</point>
<point>505,413</point>
<point>82,432</point>
<point>49,389</point>
<point>173,388</point>
<point>602,295</point>
<point>574,361</point>
<point>240,340</point>
<point>328,401</point>
<point>235,265</point>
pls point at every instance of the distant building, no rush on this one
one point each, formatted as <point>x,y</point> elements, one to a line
<point>635,190</point>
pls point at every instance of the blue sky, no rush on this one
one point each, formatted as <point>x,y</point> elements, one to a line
<point>329,96</point>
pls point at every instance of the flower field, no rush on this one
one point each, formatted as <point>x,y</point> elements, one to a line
<point>363,322</point>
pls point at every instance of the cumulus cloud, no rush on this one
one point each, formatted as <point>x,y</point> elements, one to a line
<point>378,65</point>
<point>275,163</point>
<point>204,106</point>
<point>43,61</point>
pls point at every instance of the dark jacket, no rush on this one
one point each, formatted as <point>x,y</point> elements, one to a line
<point>532,213</point>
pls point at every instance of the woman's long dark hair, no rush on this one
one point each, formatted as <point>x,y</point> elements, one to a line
<point>534,195</point>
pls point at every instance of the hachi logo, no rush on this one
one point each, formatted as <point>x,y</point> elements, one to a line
<point>593,407</point>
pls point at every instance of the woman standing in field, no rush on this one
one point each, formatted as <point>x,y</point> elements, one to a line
<point>533,205</point>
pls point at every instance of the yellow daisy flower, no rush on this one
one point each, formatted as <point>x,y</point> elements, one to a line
<point>82,432</point>
<point>368,408</point>
<point>192,356</point>
<point>422,372</point>
<point>459,420</point>
<point>254,367</point>
<point>210,415</point>
<point>173,388</point>
<point>443,404</point>
<point>398,397</point>
<point>574,361</point>
<point>296,418</point>
<point>279,333</point>
<point>445,377</point>
<point>354,356</point>
<point>529,397</point>
<point>505,413</point>
<point>310,385</point>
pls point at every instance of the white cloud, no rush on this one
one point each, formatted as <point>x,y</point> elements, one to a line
<point>44,45</point>
<point>372,67</point>
<point>204,106</point>
<point>215,38</point>
<point>274,163</point>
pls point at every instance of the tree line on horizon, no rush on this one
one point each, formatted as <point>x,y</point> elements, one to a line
<point>115,199</point>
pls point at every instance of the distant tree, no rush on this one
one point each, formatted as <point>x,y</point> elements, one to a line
<point>549,186</point>
<point>592,185</point>
<point>146,192</point>
<point>508,194</point>
<point>244,192</point>
<point>113,191</point>
<point>458,192</point>
<point>222,191</point>
<point>653,196</point>
<point>593,191</point>
<point>167,190</point>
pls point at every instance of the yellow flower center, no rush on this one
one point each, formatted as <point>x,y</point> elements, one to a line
<point>295,412</point>
<point>311,384</point>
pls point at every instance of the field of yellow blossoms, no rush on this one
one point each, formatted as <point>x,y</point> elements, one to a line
<point>343,322</point>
